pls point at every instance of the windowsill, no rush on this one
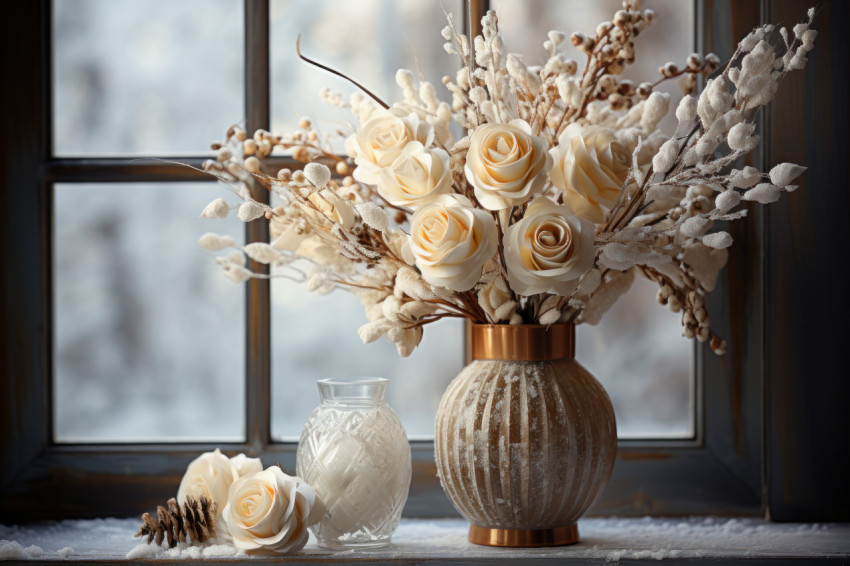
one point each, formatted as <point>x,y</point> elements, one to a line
<point>444,541</point>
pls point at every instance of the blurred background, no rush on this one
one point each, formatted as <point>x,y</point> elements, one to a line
<point>149,336</point>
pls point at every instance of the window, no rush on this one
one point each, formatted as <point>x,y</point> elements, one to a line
<point>739,448</point>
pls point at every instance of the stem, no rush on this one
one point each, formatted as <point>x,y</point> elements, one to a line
<point>337,73</point>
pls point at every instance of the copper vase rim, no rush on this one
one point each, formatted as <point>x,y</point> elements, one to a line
<point>522,342</point>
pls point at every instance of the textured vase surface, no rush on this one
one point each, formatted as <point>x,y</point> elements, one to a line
<point>354,453</point>
<point>525,437</point>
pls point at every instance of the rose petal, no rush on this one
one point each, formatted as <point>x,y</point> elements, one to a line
<point>555,266</point>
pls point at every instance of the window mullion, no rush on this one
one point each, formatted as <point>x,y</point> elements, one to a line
<point>473,11</point>
<point>258,327</point>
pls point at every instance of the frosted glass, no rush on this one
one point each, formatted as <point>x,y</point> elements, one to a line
<point>148,334</point>
<point>145,76</point>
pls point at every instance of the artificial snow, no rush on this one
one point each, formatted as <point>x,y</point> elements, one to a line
<point>11,549</point>
<point>144,551</point>
<point>610,540</point>
<point>210,549</point>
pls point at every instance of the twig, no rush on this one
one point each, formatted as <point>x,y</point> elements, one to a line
<point>337,73</point>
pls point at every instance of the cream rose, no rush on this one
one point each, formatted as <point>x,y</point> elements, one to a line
<point>450,242</point>
<point>382,139</point>
<point>246,466</point>
<point>590,168</point>
<point>211,474</point>
<point>270,510</point>
<point>506,164</point>
<point>417,177</point>
<point>548,250</point>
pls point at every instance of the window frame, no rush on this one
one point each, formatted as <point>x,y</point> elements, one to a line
<point>729,469</point>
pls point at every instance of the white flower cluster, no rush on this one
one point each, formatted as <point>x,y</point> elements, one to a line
<point>561,191</point>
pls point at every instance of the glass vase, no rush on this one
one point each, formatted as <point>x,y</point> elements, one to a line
<point>355,454</point>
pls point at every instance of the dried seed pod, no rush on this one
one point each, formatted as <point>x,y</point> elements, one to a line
<point>668,70</point>
<point>252,165</point>
<point>626,88</point>
<point>694,62</point>
<point>616,101</point>
<point>616,67</point>
<point>644,90</point>
<point>301,153</point>
<point>621,18</point>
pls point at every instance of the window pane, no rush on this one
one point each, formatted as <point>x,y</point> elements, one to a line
<point>367,40</point>
<point>148,335</point>
<point>637,351</point>
<point>639,355</point>
<point>145,76</point>
<point>315,337</point>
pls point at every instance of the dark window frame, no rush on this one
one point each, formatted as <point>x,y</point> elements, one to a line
<point>739,464</point>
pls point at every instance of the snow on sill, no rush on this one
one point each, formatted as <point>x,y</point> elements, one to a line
<point>444,540</point>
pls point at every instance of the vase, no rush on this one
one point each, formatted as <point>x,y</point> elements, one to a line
<point>525,437</point>
<point>354,452</point>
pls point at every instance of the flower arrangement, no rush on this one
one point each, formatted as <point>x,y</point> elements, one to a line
<point>560,191</point>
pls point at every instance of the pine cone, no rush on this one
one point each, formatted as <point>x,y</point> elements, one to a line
<point>195,520</point>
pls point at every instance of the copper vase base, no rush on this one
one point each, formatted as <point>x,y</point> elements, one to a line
<point>556,536</point>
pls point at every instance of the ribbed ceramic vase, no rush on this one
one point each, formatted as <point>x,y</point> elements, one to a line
<point>525,437</point>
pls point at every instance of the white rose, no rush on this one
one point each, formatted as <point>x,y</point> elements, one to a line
<point>506,164</point>
<point>382,139</point>
<point>450,242</point>
<point>590,168</point>
<point>417,177</point>
<point>246,466</point>
<point>209,475</point>
<point>270,510</point>
<point>548,250</point>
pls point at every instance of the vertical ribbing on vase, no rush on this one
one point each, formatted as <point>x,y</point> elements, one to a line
<point>524,444</point>
<point>504,461</point>
<point>444,442</point>
<point>490,456</point>
<point>538,444</point>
